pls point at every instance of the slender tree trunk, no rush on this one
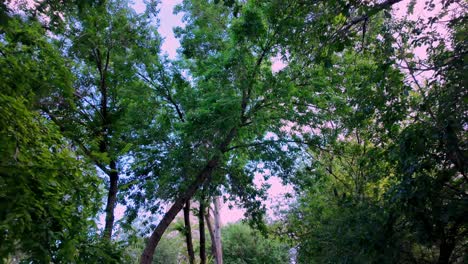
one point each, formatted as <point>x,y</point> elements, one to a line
<point>214,227</point>
<point>188,233</point>
<point>204,175</point>
<point>445,251</point>
<point>201,224</point>
<point>111,201</point>
<point>209,224</point>
<point>104,144</point>
<point>217,230</point>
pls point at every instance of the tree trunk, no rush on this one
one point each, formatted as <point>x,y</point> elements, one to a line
<point>217,230</point>
<point>148,252</point>
<point>445,251</point>
<point>188,233</point>
<point>104,146</point>
<point>201,224</point>
<point>204,175</point>
<point>209,224</point>
<point>111,201</point>
<point>214,227</point>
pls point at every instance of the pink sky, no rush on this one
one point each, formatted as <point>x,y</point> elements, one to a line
<point>168,20</point>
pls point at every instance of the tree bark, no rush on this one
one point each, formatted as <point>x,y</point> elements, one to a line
<point>204,175</point>
<point>104,144</point>
<point>111,201</point>
<point>201,224</point>
<point>209,224</point>
<point>217,230</point>
<point>445,251</point>
<point>148,252</point>
<point>188,233</point>
<point>214,227</point>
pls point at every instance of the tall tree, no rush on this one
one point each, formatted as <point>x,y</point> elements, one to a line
<point>188,233</point>
<point>209,225</point>
<point>105,41</point>
<point>390,174</point>
<point>233,97</point>
<point>431,152</point>
<point>201,228</point>
<point>214,228</point>
<point>48,194</point>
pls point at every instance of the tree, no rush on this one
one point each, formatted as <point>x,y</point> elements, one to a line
<point>431,151</point>
<point>61,192</point>
<point>372,138</point>
<point>214,228</point>
<point>233,97</point>
<point>201,225</point>
<point>48,195</point>
<point>188,233</point>
<point>344,180</point>
<point>385,187</point>
<point>104,42</point>
<point>217,116</point>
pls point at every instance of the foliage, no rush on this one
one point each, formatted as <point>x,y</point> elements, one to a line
<point>169,251</point>
<point>388,186</point>
<point>241,244</point>
<point>48,196</point>
<point>372,138</point>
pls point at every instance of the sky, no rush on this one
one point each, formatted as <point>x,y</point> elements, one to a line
<point>168,21</point>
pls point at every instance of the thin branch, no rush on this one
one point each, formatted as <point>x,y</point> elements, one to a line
<point>167,96</point>
<point>86,151</point>
<point>377,8</point>
<point>329,170</point>
<point>88,102</point>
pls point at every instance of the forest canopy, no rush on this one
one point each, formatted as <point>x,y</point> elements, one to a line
<point>366,120</point>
